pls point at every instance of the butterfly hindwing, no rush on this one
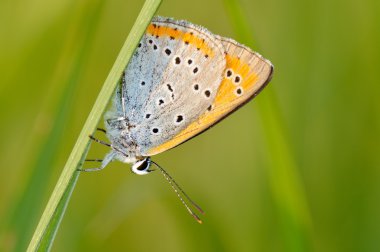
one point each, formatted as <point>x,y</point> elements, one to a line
<point>245,75</point>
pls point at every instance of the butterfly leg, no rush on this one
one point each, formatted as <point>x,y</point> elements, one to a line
<point>92,169</point>
<point>123,84</point>
<point>102,130</point>
<point>96,160</point>
<point>99,141</point>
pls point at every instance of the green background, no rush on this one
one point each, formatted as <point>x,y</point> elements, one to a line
<point>297,169</point>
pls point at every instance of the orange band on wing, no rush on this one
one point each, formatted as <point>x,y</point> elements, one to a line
<point>225,101</point>
<point>226,93</point>
<point>186,37</point>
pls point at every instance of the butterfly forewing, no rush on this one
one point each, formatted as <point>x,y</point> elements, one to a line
<point>174,76</point>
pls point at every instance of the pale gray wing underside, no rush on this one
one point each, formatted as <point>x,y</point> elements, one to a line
<point>186,87</point>
<point>169,82</point>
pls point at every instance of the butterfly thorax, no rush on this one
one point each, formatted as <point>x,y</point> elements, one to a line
<point>119,132</point>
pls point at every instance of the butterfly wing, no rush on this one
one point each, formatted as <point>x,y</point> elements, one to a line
<point>171,80</point>
<point>245,75</point>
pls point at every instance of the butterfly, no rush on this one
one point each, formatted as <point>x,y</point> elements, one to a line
<point>181,80</point>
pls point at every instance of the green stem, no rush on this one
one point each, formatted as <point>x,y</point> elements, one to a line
<point>48,225</point>
<point>287,189</point>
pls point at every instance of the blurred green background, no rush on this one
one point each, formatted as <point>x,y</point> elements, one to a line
<point>297,169</point>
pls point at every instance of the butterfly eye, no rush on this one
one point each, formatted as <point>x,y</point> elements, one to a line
<point>141,167</point>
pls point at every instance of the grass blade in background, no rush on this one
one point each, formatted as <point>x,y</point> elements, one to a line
<point>25,214</point>
<point>286,187</point>
<point>44,233</point>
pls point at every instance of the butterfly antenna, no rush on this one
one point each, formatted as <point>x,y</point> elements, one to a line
<point>180,189</point>
<point>177,189</point>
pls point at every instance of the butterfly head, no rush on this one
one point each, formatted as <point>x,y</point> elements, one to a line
<point>142,167</point>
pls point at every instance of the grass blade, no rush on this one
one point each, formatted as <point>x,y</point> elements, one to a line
<point>51,230</point>
<point>287,189</point>
<point>24,215</point>
<point>49,222</point>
